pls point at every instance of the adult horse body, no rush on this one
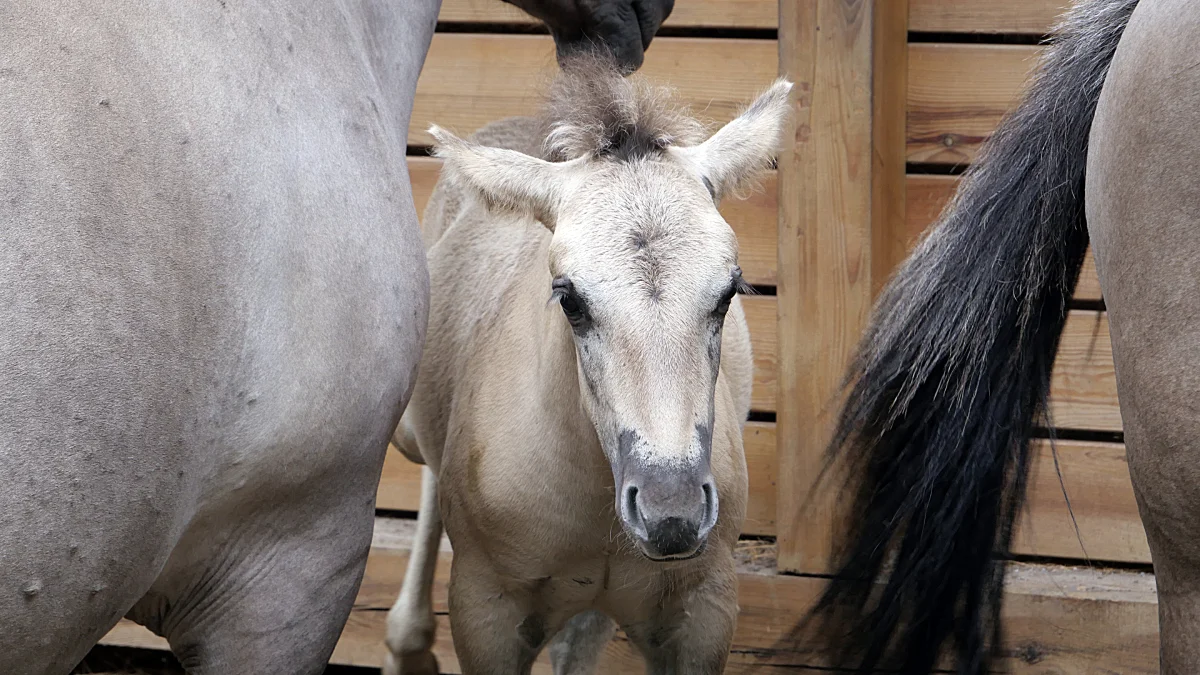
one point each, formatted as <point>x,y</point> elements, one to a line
<point>214,296</point>
<point>214,301</point>
<point>954,371</point>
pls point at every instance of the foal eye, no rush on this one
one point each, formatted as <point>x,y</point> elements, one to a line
<point>572,305</point>
<point>736,285</point>
<point>725,301</point>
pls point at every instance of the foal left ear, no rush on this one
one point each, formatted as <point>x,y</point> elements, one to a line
<point>505,178</point>
<point>734,156</point>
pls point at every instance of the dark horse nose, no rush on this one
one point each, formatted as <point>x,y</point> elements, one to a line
<point>670,519</point>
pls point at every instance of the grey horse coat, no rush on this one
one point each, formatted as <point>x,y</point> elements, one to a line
<point>213,295</point>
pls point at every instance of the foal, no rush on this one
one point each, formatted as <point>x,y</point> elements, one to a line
<point>581,450</point>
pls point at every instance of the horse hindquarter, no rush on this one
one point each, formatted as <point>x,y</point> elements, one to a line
<point>1143,201</point>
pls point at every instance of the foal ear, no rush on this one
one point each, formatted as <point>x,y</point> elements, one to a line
<point>506,179</point>
<point>734,156</point>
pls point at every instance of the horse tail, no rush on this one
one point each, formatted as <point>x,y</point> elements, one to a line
<point>954,372</point>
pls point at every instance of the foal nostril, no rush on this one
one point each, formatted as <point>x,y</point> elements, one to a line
<point>709,519</point>
<point>631,513</point>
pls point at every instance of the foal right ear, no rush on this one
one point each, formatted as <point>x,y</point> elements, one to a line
<point>736,154</point>
<point>508,179</point>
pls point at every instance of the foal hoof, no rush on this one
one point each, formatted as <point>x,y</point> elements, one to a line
<point>413,663</point>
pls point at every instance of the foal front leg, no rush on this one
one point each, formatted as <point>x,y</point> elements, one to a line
<point>411,624</point>
<point>692,632</point>
<point>496,626</point>
<point>578,646</point>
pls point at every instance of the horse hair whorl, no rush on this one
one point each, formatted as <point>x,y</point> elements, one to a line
<point>952,375</point>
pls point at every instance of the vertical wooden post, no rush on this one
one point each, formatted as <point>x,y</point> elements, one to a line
<point>841,194</point>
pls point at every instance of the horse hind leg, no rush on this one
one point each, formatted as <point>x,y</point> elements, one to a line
<point>411,624</point>
<point>577,648</point>
<point>267,592</point>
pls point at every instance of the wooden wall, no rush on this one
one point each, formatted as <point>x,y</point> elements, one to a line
<point>892,97</point>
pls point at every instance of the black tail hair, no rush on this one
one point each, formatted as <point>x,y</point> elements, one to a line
<point>953,373</point>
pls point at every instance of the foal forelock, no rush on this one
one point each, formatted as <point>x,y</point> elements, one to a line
<point>592,110</point>
<point>650,229</point>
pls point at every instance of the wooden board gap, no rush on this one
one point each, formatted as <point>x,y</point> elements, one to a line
<point>1084,435</point>
<point>978,38</point>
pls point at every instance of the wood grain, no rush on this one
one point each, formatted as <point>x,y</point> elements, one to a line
<point>1030,17</point>
<point>760,14</point>
<point>928,194</point>
<point>472,79</point>
<point>1083,389</point>
<point>761,317</point>
<point>1064,620</point>
<point>833,197</point>
<point>400,485</point>
<point>1095,477</point>
<point>958,93</point>
<point>752,219</point>
<point>889,190</point>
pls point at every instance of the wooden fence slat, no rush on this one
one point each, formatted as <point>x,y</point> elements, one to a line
<point>1096,477</point>
<point>752,219</point>
<point>1063,620</point>
<point>400,485</point>
<point>471,79</point>
<point>927,194</point>
<point>958,93</point>
<point>834,198</point>
<point>761,14</point>
<point>1030,17</point>
<point>1083,390</point>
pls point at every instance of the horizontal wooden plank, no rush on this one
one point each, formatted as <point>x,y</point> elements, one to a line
<point>1095,477</point>
<point>1083,390</point>
<point>1064,620</point>
<point>928,194</point>
<point>693,14</point>
<point>400,485</point>
<point>752,219</point>
<point>958,93</point>
<point>1080,621</point>
<point>1030,17</point>
<point>472,79</point>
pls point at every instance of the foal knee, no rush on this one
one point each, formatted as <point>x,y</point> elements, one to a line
<point>411,632</point>
<point>578,646</point>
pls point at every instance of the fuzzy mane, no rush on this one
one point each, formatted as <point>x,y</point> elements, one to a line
<point>593,110</point>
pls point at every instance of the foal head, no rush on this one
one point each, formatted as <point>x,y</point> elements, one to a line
<point>644,269</point>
